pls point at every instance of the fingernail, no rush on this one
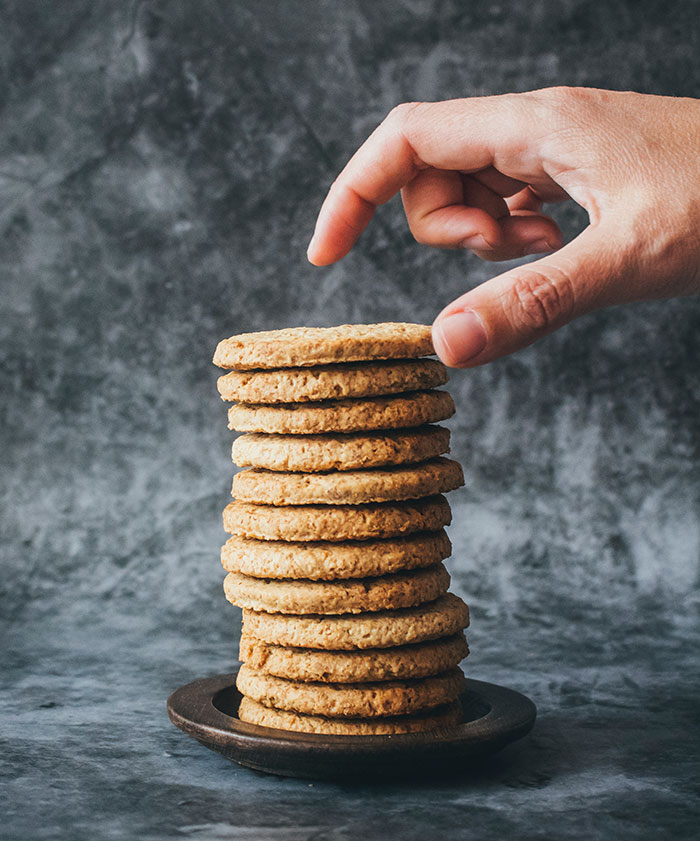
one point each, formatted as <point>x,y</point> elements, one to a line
<point>537,247</point>
<point>459,337</point>
<point>310,246</point>
<point>476,242</point>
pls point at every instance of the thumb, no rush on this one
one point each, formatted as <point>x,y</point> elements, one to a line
<point>520,306</point>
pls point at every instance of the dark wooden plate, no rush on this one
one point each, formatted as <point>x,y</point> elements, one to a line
<point>493,716</point>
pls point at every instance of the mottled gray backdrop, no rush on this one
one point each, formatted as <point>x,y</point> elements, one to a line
<point>161,165</point>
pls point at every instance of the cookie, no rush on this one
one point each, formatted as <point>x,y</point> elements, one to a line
<point>336,522</point>
<point>353,415</point>
<point>332,382</point>
<point>399,663</point>
<point>267,487</point>
<point>324,560</point>
<point>361,700</point>
<point>441,618</point>
<point>303,346</point>
<point>387,592</point>
<point>254,713</point>
<point>350,451</point>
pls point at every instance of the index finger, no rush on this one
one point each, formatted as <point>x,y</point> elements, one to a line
<point>467,135</point>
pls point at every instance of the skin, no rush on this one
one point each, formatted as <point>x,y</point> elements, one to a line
<point>475,173</point>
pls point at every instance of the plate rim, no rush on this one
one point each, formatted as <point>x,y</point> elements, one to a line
<point>511,715</point>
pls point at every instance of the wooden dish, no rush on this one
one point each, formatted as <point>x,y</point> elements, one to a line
<point>493,716</point>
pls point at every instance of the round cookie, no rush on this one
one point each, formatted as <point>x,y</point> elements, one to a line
<point>361,700</point>
<point>303,346</point>
<point>352,415</point>
<point>441,618</point>
<point>350,451</point>
<point>255,713</point>
<point>375,664</point>
<point>332,382</point>
<point>351,487</point>
<point>336,522</point>
<point>325,560</point>
<point>388,592</point>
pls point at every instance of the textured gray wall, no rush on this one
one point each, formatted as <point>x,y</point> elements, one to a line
<point>161,164</point>
<point>160,169</point>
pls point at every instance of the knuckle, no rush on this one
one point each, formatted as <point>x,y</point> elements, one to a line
<point>562,105</point>
<point>561,95</point>
<point>419,233</point>
<point>512,102</point>
<point>540,301</point>
<point>401,113</point>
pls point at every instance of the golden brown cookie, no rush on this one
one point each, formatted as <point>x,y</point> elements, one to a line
<point>402,662</point>
<point>336,522</point>
<point>302,346</point>
<point>353,415</point>
<point>352,595</point>
<point>361,700</point>
<point>350,451</point>
<point>441,618</point>
<point>350,487</point>
<point>441,717</point>
<point>332,382</point>
<point>325,560</point>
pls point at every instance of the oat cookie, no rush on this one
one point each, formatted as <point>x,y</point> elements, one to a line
<point>268,487</point>
<point>325,560</point>
<point>349,451</point>
<point>391,697</point>
<point>399,663</point>
<point>336,522</point>
<point>254,713</point>
<point>441,618</point>
<point>332,382</point>
<point>302,346</point>
<point>413,408</point>
<point>358,595</point>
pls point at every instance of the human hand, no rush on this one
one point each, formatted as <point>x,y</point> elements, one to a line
<point>474,173</point>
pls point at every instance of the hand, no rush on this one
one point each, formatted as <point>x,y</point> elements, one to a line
<point>474,173</point>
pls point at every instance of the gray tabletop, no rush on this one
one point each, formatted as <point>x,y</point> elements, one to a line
<point>161,164</point>
<point>90,753</point>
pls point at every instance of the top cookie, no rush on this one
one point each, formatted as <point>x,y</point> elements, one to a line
<point>303,346</point>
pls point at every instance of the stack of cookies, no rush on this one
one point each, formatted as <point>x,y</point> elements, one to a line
<point>338,530</point>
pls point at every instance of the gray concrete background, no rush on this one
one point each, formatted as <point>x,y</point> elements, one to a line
<point>161,164</point>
